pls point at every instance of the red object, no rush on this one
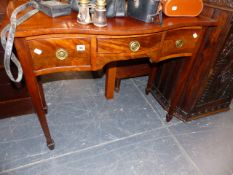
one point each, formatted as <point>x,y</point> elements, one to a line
<point>182,7</point>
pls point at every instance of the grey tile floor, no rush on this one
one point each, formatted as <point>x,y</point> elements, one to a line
<point>124,136</point>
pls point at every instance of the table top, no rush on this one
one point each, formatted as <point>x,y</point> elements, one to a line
<point>41,24</point>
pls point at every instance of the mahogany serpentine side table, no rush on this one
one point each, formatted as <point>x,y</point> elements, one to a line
<point>47,45</point>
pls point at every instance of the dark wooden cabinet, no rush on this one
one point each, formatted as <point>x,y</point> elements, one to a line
<point>14,98</point>
<point>210,86</point>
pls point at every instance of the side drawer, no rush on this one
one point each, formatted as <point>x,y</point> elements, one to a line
<point>180,41</point>
<point>121,45</point>
<point>59,52</point>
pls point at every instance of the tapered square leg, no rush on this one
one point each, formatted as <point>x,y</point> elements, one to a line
<point>110,81</point>
<point>35,89</point>
<point>151,79</point>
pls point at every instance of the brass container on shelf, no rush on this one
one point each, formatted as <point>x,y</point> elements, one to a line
<point>99,17</point>
<point>84,16</point>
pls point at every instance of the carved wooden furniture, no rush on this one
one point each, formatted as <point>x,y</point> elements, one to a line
<point>61,44</point>
<point>14,98</point>
<point>210,85</point>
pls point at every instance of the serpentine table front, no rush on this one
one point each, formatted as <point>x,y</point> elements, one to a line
<point>47,45</point>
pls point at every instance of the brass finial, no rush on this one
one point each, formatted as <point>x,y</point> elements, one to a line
<point>101,4</point>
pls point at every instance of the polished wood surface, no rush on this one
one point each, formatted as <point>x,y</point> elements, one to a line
<point>46,61</point>
<point>53,45</point>
<point>189,37</point>
<point>3,6</point>
<point>158,46</point>
<point>120,45</point>
<point>116,26</point>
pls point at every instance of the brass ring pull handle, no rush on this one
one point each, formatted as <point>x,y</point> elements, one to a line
<point>179,43</point>
<point>61,54</point>
<point>134,46</point>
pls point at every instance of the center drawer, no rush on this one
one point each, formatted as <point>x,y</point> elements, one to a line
<point>59,52</point>
<point>129,45</point>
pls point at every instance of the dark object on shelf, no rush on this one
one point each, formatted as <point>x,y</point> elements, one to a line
<point>210,86</point>
<point>116,8</point>
<point>74,5</point>
<point>145,10</point>
<point>54,8</point>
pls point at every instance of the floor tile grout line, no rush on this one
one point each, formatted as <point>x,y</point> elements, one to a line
<point>89,148</point>
<point>20,140</point>
<point>81,150</point>
<point>97,146</point>
<point>151,106</point>
<point>169,131</point>
<point>185,152</point>
<point>162,137</point>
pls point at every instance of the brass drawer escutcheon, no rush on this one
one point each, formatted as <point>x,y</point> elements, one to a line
<point>179,43</point>
<point>134,46</point>
<point>61,54</point>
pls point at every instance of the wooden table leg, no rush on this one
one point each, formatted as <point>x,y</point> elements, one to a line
<point>182,79</point>
<point>45,107</point>
<point>174,103</point>
<point>110,80</point>
<point>117,84</point>
<point>34,89</point>
<point>151,79</point>
<point>37,99</point>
